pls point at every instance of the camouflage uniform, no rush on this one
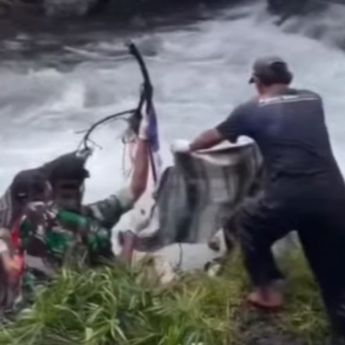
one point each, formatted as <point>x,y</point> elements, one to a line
<point>108,211</point>
<point>49,241</point>
<point>39,235</point>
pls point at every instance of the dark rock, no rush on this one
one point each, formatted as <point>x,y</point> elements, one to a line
<point>141,7</point>
<point>260,328</point>
<point>68,8</point>
<point>294,7</point>
<point>116,8</point>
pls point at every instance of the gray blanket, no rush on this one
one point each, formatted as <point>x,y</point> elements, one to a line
<point>201,191</point>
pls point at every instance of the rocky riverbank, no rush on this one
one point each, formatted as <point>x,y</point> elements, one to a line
<point>81,8</point>
<point>104,305</point>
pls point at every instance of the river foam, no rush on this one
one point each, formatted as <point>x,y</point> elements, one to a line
<point>200,71</point>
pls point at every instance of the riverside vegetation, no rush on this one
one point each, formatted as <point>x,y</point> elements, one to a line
<point>115,305</point>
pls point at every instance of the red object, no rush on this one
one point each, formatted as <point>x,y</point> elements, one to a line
<point>18,246</point>
<point>16,235</point>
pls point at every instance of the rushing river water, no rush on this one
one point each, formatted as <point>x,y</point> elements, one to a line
<point>51,88</point>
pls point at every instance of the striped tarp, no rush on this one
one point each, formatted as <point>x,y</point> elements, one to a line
<point>201,191</point>
<point>6,207</point>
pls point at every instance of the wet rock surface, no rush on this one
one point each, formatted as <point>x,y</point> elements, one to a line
<point>294,6</point>
<point>84,8</point>
<point>260,328</point>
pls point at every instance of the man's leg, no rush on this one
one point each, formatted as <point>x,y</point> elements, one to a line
<point>260,223</point>
<point>324,245</point>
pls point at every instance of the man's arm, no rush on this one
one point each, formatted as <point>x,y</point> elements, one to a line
<point>141,167</point>
<point>206,140</point>
<point>109,210</point>
<point>12,263</point>
<point>230,129</point>
<point>138,186</point>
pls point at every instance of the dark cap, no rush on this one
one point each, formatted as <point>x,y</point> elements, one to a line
<point>272,69</point>
<point>29,184</point>
<point>69,166</point>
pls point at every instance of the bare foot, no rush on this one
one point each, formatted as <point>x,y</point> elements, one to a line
<point>269,298</point>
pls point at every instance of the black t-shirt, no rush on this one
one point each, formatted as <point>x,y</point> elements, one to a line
<point>290,131</point>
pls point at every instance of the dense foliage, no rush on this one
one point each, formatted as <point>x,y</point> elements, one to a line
<point>113,305</point>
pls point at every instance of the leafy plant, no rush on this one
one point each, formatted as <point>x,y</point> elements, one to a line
<point>117,306</point>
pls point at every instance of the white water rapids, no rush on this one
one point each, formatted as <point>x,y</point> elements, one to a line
<point>200,72</point>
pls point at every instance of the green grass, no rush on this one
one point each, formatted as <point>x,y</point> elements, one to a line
<point>304,314</point>
<point>111,306</point>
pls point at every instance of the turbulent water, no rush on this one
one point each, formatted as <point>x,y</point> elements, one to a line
<point>54,84</point>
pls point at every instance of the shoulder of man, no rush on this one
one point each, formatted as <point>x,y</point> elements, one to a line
<point>292,96</point>
<point>249,103</point>
<point>238,122</point>
<point>245,107</point>
<point>307,92</point>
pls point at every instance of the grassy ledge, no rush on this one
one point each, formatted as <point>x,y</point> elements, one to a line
<point>112,305</point>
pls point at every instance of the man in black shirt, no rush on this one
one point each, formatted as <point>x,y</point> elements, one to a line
<point>304,189</point>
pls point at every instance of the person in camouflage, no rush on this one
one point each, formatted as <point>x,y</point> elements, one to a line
<point>35,207</point>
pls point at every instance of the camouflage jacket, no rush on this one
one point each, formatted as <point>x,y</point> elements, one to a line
<point>108,211</point>
<point>46,239</point>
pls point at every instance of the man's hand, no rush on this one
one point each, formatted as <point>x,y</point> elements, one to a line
<point>141,161</point>
<point>143,133</point>
<point>180,145</point>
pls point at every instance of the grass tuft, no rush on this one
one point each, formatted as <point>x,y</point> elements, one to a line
<point>304,315</point>
<point>113,305</point>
